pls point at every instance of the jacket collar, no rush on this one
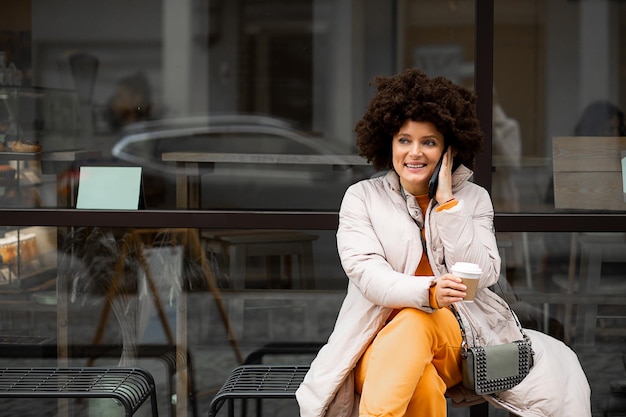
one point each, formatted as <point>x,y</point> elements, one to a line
<point>459,176</point>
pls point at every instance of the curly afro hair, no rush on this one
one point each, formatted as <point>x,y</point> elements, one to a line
<point>413,95</point>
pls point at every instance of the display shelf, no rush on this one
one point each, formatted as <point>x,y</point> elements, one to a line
<point>7,156</point>
<point>28,258</point>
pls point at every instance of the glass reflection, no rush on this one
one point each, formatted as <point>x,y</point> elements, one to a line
<point>572,287</point>
<point>90,296</point>
<point>548,83</point>
<point>136,276</point>
<point>265,60</point>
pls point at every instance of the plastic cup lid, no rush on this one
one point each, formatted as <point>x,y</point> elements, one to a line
<point>467,267</point>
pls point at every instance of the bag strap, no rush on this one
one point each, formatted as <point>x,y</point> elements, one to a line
<point>463,334</point>
<point>508,305</point>
<point>464,344</point>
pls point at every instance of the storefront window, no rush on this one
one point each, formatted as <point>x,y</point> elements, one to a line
<point>558,142</point>
<point>163,85</point>
<point>240,118</point>
<point>557,75</point>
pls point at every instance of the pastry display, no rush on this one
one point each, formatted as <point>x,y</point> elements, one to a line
<point>27,246</point>
<point>26,146</point>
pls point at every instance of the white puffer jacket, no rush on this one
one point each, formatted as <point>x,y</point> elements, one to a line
<point>380,247</point>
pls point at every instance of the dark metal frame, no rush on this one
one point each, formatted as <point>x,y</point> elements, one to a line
<point>212,219</point>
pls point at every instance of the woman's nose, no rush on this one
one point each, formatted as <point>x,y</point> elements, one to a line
<point>415,150</point>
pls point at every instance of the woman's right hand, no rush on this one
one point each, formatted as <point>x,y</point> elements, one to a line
<point>449,289</point>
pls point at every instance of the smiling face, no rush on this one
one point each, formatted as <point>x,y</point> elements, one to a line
<point>416,149</point>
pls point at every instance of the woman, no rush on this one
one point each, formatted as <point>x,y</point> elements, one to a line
<point>396,346</point>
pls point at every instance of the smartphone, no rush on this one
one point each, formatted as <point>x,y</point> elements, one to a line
<point>434,180</point>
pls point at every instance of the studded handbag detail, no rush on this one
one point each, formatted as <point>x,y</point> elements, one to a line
<point>491,369</point>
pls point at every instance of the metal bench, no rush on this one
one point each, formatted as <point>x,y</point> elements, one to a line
<point>258,382</point>
<point>13,347</point>
<point>256,358</point>
<point>130,386</point>
<point>271,382</point>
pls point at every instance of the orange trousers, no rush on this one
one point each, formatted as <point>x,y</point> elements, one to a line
<point>410,364</point>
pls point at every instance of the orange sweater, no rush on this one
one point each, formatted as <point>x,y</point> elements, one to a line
<point>424,268</point>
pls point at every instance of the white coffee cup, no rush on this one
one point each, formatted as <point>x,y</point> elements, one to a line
<point>470,274</point>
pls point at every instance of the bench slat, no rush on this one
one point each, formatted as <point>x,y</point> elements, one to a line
<point>130,386</point>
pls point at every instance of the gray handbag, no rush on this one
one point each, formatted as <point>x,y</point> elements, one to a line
<point>491,369</point>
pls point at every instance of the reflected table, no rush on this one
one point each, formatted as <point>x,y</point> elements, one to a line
<point>192,165</point>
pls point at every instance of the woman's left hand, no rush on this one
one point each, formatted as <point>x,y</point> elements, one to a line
<point>444,189</point>
<point>450,289</point>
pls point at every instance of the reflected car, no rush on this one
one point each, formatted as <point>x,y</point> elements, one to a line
<point>259,162</point>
